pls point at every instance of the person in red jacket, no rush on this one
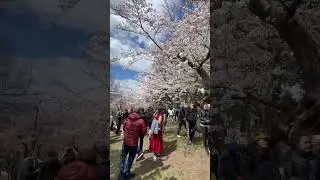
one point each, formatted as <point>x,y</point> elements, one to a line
<point>134,127</point>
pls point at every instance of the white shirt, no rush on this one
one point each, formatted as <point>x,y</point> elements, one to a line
<point>170,111</point>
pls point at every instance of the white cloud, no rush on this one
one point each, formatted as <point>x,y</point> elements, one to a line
<point>122,44</point>
<point>141,65</point>
<point>117,47</point>
<point>114,21</point>
<point>128,85</point>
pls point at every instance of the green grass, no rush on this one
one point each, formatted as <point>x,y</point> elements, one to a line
<point>179,160</point>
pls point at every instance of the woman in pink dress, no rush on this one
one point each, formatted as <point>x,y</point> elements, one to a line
<point>156,138</point>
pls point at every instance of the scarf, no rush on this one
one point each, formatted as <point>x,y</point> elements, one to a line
<point>154,127</point>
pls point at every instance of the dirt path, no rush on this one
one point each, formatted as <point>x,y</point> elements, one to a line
<point>179,161</point>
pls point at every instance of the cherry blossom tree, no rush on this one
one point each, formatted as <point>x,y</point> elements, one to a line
<point>126,97</point>
<point>177,48</point>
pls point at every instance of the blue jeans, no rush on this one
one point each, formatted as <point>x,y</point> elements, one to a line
<point>214,164</point>
<point>140,148</point>
<point>125,167</point>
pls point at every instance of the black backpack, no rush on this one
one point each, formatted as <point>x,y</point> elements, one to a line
<point>181,113</point>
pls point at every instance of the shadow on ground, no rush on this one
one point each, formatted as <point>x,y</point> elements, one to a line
<point>157,174</point>
<point>148,165</point>
<point>198,141</point>
<point>156,167</point>
<point>169,147</point>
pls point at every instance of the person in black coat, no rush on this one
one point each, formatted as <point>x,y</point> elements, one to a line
<point>191,118</point>
<point>145,119</point>
<point>205,125</point>
<point>119,118</point>
<point>125,115</point>
<point>181,119</point>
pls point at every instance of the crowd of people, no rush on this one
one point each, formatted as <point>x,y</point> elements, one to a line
<point>91,163</point>
<point>141,123</point>
<point>259,159</point>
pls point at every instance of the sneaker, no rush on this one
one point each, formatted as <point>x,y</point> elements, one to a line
<point>178,136</point>
<point>154,157</point>
<point>207,151</point>
<point>139,156</point>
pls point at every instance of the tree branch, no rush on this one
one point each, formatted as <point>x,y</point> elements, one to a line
<point>205,59</point>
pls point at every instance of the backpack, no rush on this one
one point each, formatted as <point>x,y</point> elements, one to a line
<point>181,113</point>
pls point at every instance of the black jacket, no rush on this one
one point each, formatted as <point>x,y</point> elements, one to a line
<point>204,118</point>
<point>144,117</point>
<point>181,113</point>
<point>149,118</point>
<point>192,115</point>
<point>125,115</point>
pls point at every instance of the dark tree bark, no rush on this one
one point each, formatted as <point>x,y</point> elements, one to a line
<point>306,47</point>
<point>295,32</point>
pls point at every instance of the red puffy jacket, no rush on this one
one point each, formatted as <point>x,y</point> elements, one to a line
<point>134,127</point>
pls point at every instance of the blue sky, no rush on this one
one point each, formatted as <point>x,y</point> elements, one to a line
<point>25,36</point>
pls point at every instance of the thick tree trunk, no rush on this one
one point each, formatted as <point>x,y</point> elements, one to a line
<point>291,27</point>
<point>306,49</point>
